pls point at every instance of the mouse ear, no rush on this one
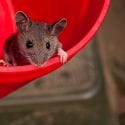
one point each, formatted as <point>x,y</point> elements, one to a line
<point>58,27</point>
<point>22,21</point>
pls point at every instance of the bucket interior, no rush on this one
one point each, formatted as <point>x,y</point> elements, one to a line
<point>81,16</point>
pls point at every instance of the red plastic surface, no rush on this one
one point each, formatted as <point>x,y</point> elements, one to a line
<point>84,18</point>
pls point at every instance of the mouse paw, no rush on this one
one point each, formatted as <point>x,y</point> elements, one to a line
<point>63,55</point>
<point>2,63</point>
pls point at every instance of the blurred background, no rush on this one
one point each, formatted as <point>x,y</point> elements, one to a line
<point>87,90</point>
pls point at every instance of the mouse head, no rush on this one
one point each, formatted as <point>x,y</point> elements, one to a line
<point>38,41</point>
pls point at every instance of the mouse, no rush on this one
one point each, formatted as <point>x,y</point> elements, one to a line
<point>35,42</point>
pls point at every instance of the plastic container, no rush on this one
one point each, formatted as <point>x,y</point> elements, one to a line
<point>84,19</point>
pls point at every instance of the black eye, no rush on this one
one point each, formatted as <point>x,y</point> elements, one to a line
<point>48,45</point>
<point>29,44</point>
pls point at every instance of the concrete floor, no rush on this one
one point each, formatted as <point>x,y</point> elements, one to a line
<point>111,39</point>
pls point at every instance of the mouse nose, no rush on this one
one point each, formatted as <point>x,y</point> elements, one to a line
<point>38,63</point>
<point>40,60</point>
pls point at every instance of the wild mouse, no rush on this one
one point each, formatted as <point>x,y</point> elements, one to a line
<point>36,42</point>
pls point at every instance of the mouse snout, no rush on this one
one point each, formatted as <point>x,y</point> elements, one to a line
<point>40,60</point>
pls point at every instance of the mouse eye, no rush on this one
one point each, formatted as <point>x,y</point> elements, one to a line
<point>48,45</point>
<point>29,44</point>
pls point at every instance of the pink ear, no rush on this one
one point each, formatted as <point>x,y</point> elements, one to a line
<point>59,26</point>
<point>22,21</point>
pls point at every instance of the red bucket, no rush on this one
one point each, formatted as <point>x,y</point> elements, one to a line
<point>84,18</point>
